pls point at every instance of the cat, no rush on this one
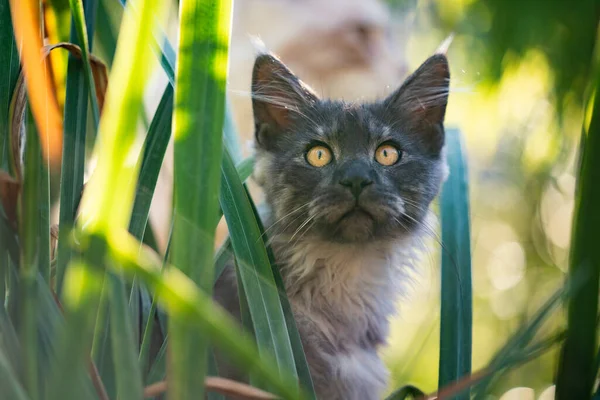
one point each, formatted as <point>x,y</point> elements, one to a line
<point>348,188</point>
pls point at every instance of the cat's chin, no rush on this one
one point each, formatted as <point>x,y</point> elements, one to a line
<point>357,225</point>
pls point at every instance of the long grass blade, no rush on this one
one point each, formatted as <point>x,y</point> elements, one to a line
<point>197,128</point>
<point>456,298</point>
<point>81,23</point>
<point>255,270</point>
<point>74,135</point>
<point>127,370</point>
<point>155,146</point>
<point>9,70</point>
<point>10,388</point>
<point>295,340</point>
<point>108,198</point>
<point>576,372</point>
<point>184,300</point>
<point>30,226</point>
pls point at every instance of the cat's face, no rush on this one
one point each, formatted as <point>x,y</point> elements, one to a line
<point>348,172</point>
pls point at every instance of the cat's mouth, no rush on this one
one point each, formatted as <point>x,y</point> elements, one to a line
<point>356,212</point>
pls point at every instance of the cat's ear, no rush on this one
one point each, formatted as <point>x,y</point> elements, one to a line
<point>276,95</point>
<point>421,101</point>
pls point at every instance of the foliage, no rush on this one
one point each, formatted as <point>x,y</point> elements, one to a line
<point>90,311</point>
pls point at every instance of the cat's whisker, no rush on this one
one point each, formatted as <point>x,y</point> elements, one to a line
<point>274,224</point>
<point>302,226</point>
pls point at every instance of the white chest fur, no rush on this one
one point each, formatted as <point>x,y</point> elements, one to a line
<point>349,287</point>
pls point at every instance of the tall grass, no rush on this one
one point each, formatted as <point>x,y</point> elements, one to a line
<point>107,317</point>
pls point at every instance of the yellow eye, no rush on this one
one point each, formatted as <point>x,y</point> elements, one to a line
<point>386,154</point>
<point>318,156</point>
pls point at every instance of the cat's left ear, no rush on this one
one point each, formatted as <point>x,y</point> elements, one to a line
<point>421,102</point>
<point>277,94</point>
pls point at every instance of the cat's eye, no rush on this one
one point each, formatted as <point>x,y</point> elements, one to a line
<point>387,155</point>
<point>318,156</point>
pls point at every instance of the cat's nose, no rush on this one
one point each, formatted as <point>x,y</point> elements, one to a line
<point>356,180</point>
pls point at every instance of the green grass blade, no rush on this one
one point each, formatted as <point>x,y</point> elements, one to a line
<point>185,301</point>
<point>127,370</point>
<point>244,167</point>
<point>576,373</point>
<point>79,21</point>
<point>457,296</point>
<point>295,340</point>
<point>509,354</point>
<point>231,137</point>
<point>30,227</point>
<point>10,388</point>
<point>9,70</point>
<point>81,298</point>
<point>108,198</point>
<point>255,270</point>
<point>155,146</point>
<point>104,209</point>
<point>74,134</point>
<point>159,367</point>
<point>107,37</point>
<point>151,159</point>
<point>197,128</point>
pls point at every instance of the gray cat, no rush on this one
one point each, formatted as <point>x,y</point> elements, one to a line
<point>348,187</point>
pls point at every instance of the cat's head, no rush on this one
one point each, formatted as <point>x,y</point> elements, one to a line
<point>349,172</point>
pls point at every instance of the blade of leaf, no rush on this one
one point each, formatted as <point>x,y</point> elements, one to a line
<point>10,388</point>
<point>456,298</point>
<point>255,270</point>
<point>127,370</point>
<point>9,69</point>
<point>74,134</point>
<point>155,146</point>
<point>296,342</point>
<point>81,22</point>
<point>197,128</point>
<point>576,373</point>
<point>184,300</point>
<point>29,231</point>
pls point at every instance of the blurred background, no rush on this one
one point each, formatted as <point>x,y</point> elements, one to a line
<point>520,71</point>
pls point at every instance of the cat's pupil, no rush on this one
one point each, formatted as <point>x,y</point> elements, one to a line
<point>319,154</point>
<point>385,153</point>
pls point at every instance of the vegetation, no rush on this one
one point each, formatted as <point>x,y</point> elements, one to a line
<point>91,309</point>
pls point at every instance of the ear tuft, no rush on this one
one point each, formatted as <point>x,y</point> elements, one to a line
<point>422,100</point>
<point>277,94</point>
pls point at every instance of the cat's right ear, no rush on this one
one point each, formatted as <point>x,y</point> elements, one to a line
<point>276,95</point>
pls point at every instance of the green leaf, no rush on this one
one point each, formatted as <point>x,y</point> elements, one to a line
<point>9,70</point>
<point>245,167</point>
<point>10,388</point>
<point>457,293</point>
<point>32,255</point>
<point>576,372</point>
<point>509,354</point>
<point>127,370</point>
<point>197,129</point>
<point>255,270</point>
<point>185,301</point>
<point>81,298</point>
<point>74,134</point>
<point>155,146</point>
<point>295,340</point>
<point>79,22</point>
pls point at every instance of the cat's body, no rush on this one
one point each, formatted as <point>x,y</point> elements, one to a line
<point>348,187</point>
<point>341,308</point>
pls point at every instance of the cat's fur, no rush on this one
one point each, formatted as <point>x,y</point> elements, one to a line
<point>344,255</point>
